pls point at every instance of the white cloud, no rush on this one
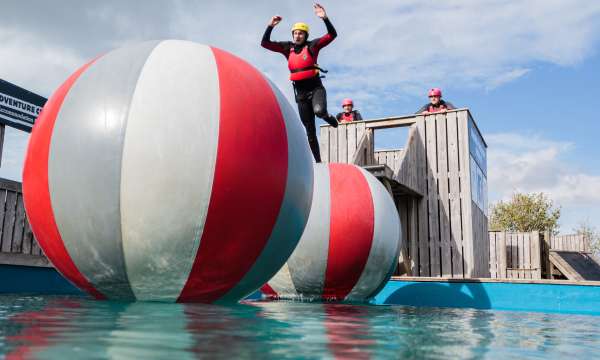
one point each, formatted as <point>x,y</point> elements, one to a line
<point>505,78</point>
<point>386,50</point>
<point>26,60</point>
<point>531,163</point>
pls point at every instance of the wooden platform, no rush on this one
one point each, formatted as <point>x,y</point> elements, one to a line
<point>438,183</point>
<point>17,243</point>
<point>576,265</point>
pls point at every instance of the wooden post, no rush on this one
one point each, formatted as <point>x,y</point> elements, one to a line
<point>432,195</point>
<point>424,256</point>
<point>413,228</point>
<point>2,129</point>
<point>333,145</point>
<point>493,256</point>
<point>465,193</point>
<point>536,252</point>
<point>343,143</point>
<point>444,201</point>
<point>324,144</point>
<point>454,197</point>
<point>352,142</point>
<point>502,251</point>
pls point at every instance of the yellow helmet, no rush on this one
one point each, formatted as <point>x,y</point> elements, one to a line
<point>300,26</point>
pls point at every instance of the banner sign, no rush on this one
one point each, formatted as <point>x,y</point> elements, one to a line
<point>19,107</point>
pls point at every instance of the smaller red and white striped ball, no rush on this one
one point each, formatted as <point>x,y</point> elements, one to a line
<point>168,171</point>
<point>351,243</point>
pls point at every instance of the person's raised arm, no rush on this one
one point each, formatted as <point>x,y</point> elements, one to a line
<point>266,39</point>
<point>331,33</point>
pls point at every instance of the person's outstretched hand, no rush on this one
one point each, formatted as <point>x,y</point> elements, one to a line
<point>275,20</point>
<point>320,11</point>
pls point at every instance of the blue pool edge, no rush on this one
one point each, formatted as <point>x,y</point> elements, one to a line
<point>485,294</point>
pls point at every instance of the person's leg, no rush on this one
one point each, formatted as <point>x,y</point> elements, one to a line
<point>307,116</point>
<point>319,104</point>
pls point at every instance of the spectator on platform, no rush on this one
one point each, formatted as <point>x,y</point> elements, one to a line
<point>348,115</point>
<point>436,104</point>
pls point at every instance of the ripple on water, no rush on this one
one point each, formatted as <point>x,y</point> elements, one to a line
<point>63,327</point>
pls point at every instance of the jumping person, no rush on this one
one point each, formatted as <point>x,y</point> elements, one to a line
<point>436,104</point>
<point>348,115</point>
<point>302,54</point>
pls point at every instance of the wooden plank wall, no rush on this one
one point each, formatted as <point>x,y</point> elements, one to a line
<point>571,242</point>
<point>411,164</point>
<point>339,145</point>
<point>457,229</point>
<point>447,236</point>
<point>391,158</point>
<point>515,255</point>
<point>451,237</point>
<point>16,239</point>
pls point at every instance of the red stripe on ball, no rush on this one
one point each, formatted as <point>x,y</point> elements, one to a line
<point>36,191</point>
<point>350,232</point>
<point>243,209</point>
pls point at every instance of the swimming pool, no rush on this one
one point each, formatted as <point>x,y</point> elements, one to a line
<point>73,326</point>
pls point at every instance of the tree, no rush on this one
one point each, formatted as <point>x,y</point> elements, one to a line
<point>525,212</point>
<point>592,235</point>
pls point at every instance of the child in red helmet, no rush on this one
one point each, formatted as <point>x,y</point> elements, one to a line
<point>436,104</point>
<point>348,115</point>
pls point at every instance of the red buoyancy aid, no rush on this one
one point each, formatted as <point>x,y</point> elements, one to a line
<point>441,107</point>
<point>303,65</point>
<point>347,117</point>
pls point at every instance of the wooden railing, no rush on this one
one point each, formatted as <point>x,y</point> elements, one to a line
<point>391,158</point>
<point>17,244</point>
<point>354,143</point>
<point>515,255</point>
<point>572,242</point>
<point>340,145</point>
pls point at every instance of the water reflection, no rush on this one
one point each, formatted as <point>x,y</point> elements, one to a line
<point>81,328</point>
<point>348,331</point>
<point>32,331</point>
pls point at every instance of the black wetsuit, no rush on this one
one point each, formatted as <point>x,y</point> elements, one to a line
<point>443,105</point>
<point>311,96</point>
<point>355,116</point>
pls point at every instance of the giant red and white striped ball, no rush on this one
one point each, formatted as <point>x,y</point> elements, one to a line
<point>351,243</point>
<point>168,171</point>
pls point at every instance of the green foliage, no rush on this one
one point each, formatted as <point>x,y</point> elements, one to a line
<point>525,212</point>
<point>591,233</point>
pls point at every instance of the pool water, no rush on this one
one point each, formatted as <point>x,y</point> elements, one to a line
<point>52,327</point>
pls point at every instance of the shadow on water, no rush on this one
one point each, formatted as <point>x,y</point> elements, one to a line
<point>433,294</point>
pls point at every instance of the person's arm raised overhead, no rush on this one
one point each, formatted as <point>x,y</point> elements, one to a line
<point>266,39</point>
<point>331,33</point>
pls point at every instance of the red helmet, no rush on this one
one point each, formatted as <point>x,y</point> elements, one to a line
<point>347,102</point>
<point>435,92</point>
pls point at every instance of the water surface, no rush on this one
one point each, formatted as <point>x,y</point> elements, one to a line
<point>52,327</point>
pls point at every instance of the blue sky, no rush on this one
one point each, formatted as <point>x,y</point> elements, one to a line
<point>528,70</point>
